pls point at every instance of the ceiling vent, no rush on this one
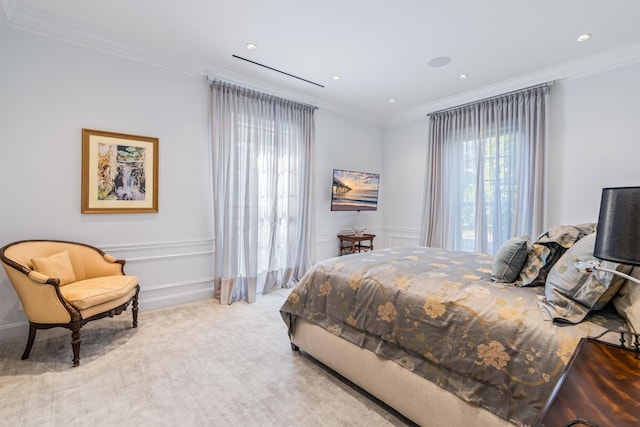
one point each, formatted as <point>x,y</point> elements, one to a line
<point>276,70</point>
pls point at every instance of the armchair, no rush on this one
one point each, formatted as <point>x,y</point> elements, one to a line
<point>67,284</point>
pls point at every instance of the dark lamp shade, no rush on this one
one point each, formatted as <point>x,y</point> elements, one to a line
<point>618,234</point>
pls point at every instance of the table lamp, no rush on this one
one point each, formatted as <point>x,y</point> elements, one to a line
<point>618,231</point>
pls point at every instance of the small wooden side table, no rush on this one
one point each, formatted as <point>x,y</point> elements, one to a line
<point>350,243</point>
<point>601,384</point>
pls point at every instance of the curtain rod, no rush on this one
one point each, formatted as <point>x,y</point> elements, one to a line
<point>216,79</point>
<point>550,83</point>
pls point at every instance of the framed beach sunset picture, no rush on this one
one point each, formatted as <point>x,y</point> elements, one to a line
<point>354,191</point>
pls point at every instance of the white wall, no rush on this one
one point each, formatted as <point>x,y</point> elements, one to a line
<point>593,143</point>
<point>49,91</point>
<point>405,151</point>
<point>345,143</point>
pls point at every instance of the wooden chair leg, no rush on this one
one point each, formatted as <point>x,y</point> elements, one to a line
<point>134,310</point>
<point>32,337</point>
<point>75,344</point>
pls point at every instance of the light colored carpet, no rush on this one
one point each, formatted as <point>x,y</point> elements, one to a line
<point>200,364</point>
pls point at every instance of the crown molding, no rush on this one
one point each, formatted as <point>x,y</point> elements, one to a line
<point>19,14</point>
<point>34,20</point>
<point>30,19</point>
<point>593,64</point>
<point>278,91</point>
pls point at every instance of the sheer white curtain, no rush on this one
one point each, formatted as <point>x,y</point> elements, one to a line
<point>485,172</point>
<point>262,191</point>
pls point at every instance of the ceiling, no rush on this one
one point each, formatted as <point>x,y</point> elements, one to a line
<point>380,49</point>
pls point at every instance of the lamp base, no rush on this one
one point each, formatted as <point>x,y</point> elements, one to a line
<point>580,421</point>
<point>592,265</point>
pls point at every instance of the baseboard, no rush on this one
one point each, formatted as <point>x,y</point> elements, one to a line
<point>14,330</point>
<point>165,295</point>
<point>151,298</point>
<point>402,236</point>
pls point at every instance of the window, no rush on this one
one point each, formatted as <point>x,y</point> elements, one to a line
<point>262,165</point>
<point>485,176</point>
<point>491,164</point>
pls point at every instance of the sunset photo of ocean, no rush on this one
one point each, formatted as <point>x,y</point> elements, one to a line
<point>354,191</point>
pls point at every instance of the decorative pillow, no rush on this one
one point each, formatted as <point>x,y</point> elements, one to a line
<point>56,266</point>
<point>571,294</point>
<point>548,249</point>
<point>627,301</point>
<point>510,259</point>
<point>535,262</point>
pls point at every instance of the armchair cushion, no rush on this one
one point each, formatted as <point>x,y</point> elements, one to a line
<point>91,292</point>
<point>56,266</point>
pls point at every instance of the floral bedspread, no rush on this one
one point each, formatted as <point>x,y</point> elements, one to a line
<point>438,314</point>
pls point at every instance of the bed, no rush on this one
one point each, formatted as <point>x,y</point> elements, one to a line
<point>428,332</point>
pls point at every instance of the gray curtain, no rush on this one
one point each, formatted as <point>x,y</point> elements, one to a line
<point>262,172</point>
<point>485,172</point>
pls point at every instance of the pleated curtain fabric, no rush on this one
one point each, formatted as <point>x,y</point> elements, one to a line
<point>485,172</point>
<point>262,174</point>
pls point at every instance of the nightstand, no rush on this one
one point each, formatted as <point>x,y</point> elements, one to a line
<point>350,243</point>
<point>601,384</point>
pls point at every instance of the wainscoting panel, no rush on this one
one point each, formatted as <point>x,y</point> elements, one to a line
<point>327,246</point>
<point>397,236</point>
<point>172,273</point>
<point>169,273</point>
<point>145,251</point>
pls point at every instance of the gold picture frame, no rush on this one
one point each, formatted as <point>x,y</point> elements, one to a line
<point>119,173</point>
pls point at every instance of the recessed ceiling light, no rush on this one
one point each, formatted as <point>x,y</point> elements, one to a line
<point>583,37</point>
<point>440,61</point>
<point>336,78</point>
<point>392,100</point>
<point>251,46</point>
<point>463,76</point>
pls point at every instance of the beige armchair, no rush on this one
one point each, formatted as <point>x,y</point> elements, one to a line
<point>67,284</point>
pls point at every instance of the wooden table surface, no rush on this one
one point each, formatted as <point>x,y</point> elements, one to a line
<point>601,384</point>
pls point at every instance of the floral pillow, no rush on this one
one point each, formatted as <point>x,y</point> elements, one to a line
<point>548,249</point>
<point>536,261</point>
<point>627,301</point>
<point>571,294</point>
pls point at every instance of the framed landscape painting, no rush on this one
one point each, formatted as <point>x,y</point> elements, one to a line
<point>119,173</point>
